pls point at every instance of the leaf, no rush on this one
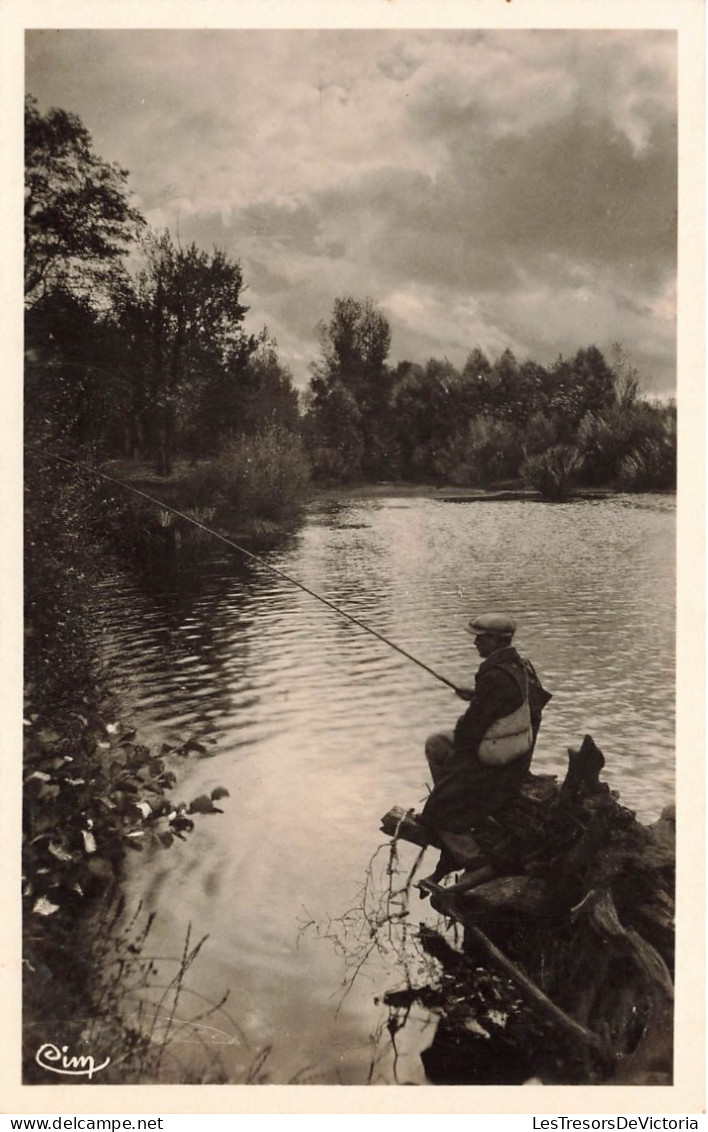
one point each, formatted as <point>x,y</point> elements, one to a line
<point>181,824</point>
<point>41,775</point>
<point>144,807</point>
<point>89,841</point>
<point>166,838</point>
<point>139,757</point>
<point>127,784</point>
<point>44,907</point>
<point>219,792</point>
<point>59,852</point>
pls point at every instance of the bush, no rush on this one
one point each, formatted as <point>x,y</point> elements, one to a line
<point>630,433</point>
<point>540,432</point>
<point>553,473</point>
<point>91,794</point>
<point>331,465</point>
<point>61,564</point>
<point>489,450</point>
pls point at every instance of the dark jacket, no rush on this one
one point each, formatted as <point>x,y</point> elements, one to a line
<point>472,789</point>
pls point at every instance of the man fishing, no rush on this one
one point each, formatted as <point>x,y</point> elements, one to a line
<point>481,766</point>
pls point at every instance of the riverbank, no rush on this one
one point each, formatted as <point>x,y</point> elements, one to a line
<point>93,793</point>
<point>187,490</point>
<point>254,491</point>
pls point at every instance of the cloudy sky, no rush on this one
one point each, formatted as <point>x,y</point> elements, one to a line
<point>492,188</point>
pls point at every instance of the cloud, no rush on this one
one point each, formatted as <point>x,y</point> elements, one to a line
<point>508,188</point>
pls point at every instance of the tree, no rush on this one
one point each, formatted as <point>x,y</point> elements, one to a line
<point>429,409</point>
<point>333,431</point>
<point>187,316</point>
<point>269,396</point>
<point>583,384</point>
<point>76,367</point>
<point>78,218</point>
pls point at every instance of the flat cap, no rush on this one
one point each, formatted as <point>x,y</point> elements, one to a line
<point>492,623</point>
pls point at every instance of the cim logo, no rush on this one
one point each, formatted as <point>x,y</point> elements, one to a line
<point>58,1060</point>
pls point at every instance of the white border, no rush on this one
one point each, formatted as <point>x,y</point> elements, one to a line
<point>687,1095</point>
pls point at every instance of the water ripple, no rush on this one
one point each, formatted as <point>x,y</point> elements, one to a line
<point>320,726</point>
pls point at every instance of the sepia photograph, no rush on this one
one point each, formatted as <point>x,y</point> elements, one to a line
<point>350,395</point>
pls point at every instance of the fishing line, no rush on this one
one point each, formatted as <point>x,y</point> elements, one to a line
<point>249,554</point>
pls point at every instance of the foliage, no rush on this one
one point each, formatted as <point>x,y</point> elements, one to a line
<point>494,449</point>
<point>428,406</point>
<point>91,792</point>
<point>268,395</point>
<point>553,473</point>
<point>651,466</point>
<point>539,433</point>
<point>61,564</point>
<point>189,348</point>
<point>355,344</point>
<point>631,434</point>
<point>334,433</point>
<point>78,218</point>
<point>158,364</point>
<point>350,388</point>
<point>77,387</point>
<point>493,422</point>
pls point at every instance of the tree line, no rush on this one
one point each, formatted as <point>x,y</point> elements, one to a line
<point>580,419</point>
<point>136,346</point>
<point>150,363</point>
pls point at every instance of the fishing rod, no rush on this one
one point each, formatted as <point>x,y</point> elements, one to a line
<point>249,554</point>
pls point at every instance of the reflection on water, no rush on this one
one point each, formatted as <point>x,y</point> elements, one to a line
<point>320,726</point>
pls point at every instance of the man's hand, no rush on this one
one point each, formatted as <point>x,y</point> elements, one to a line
<point>464,693</point>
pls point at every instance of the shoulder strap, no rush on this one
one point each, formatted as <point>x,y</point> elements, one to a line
<point>517,672</point>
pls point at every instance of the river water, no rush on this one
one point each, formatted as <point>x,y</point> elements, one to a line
<point>316,729</point>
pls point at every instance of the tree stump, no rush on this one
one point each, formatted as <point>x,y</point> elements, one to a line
<point>578,917</point>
